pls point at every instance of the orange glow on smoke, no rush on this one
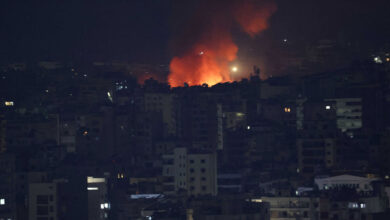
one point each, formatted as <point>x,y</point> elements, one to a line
<point>207,60</point>
<point>253,15</point>
<point>207,63</point>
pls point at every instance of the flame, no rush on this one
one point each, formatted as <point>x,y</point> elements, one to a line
<point>207,60</point>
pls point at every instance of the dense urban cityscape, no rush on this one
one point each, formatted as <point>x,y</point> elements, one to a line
<point>302,133</point>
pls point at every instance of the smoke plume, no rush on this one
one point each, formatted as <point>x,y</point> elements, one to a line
<point>207,39</point>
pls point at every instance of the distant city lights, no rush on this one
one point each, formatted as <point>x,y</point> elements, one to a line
<point>110,97</point>
<point>378,59</point>
<point>105,206</point>
<point>9,103</point>
<point>92,188</point>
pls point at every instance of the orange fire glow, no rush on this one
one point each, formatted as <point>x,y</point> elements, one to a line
<point>207,60</point>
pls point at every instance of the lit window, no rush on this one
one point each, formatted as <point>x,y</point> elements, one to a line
<point>109,96</point>
<point>92,188</point>
<point>102,206</point>
<point>239,114</point>
<point>362,206</point>
<point>122,175</point>
<point>9,103</point>
<point>287,109</point>
<point>2,201</point>
<point>85,133</point>
<point>327,107</point>
<point>248,127</point>
<point>378,59</point>
<point>353,205</point>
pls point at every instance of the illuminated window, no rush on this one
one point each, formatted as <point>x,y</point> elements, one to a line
<point>327,107</point>
<point>9,103</point>
<point>248,127</point>
<point>2,201</point>
<point>92,188</point>
<point>85,133</point>
<point>378,59</point>
<point>287,109</point>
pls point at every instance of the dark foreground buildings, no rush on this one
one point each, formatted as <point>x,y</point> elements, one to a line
<point>90,143</point>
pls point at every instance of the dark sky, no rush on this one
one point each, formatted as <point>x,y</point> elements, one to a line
<point>141,30</point>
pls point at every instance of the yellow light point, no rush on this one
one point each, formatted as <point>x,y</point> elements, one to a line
<point>9,103</point>
<point>234,69</point>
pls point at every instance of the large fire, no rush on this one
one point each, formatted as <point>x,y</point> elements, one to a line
<point>212,51</point>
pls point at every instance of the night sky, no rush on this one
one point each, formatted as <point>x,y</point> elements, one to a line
<point>142,30</point>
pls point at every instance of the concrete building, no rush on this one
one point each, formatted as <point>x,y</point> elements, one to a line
<point>361,184</point>
<point>201,121</point>
<point>234,120</point>
<point>7,192</point>
<point>3,125</point>
<point>234,207</point>
<point>98,204</point>
<point>68,133</point>
<point>349,114</point>
<point>230,183</point>
<point>283,208</point>
<point>53,199</point>
<point>315,154</point>
<point>195,173</point>
<point>165,104</point>
<point>42,201</point>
